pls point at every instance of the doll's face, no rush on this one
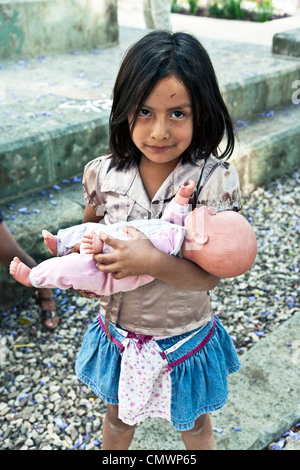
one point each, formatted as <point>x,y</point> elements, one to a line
<point>199,225</point>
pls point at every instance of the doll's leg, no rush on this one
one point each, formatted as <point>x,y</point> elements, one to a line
<point>20,271</point>
<point>50,241</point>
<point>184,193</point>
<point>91,243</point>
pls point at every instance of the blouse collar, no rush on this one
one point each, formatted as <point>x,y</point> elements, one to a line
<point>131,185</point>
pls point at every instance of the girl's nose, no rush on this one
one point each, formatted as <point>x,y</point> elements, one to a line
<point>160,130</point>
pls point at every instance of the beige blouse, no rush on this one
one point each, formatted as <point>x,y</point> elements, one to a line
<point>157,308</point>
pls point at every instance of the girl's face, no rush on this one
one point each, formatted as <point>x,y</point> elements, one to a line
<point>164,127</point>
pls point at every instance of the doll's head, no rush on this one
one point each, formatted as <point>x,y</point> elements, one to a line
<point>223,243</point>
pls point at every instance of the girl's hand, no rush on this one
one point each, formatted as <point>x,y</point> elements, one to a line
<point>76,248</point>
<point>129,258</point>
<point>87,294</point>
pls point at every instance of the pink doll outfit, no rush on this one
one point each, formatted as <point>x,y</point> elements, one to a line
<point>78,270</point>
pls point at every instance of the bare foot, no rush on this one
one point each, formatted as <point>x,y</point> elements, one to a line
<point>20,271</point>
<point>184,193</point>
<point>50,241</point>
<point>91,243</point>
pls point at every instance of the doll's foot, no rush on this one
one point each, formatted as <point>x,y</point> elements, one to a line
<point>91,243</point>
<point>50,241</point>
<point>184,193</point>
<point>20,271</point>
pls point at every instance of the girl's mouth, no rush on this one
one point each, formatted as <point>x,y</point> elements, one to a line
<point>159,149</point>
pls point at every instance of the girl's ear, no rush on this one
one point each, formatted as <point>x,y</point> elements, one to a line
<point>200,238</point>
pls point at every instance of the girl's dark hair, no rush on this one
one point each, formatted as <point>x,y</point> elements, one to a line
<point>157,55</point>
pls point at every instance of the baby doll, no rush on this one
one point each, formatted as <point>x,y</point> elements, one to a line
<point>223,244</point>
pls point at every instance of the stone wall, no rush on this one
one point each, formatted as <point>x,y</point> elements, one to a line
<point>30,28</point>
<point>287,43</point>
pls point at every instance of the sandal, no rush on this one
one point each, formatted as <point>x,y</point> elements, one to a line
<point>48,316</point>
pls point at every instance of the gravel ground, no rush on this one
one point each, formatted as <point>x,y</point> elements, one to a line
<point>42,403</point>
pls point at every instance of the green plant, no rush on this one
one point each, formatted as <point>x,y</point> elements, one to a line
<point>193,6</point>
<point>265,10</point>
<point>233,9</point>
<point>215,9</point>
<point>230,9</point>
<point>174,7</point>
<point>226,9</point>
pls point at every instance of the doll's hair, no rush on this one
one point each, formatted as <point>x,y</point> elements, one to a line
<point>161,54</point>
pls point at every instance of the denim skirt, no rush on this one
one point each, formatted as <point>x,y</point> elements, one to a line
<point>198,361</point>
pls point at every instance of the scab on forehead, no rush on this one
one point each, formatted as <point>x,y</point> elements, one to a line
<point>173,94</point>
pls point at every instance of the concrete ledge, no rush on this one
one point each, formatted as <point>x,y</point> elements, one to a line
<point>260,88</point>
<point>53,208</point>
<point>50,156</point>
<point>267,147</point>
<point>287,43</point>
<point>37,27</point>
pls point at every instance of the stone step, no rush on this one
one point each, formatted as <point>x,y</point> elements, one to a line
<point>54,109</point>
<point>267,147</point>
<point>253,80</point>
<point>33,27</point>
<point>287,43</point>
<point>52,208</point>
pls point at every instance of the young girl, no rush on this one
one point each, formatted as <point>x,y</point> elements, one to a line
<point>159,350</point>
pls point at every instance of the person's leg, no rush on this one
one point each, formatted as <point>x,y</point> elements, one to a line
<point>161,10</point>
<point>148,17</point>
<point>116,435</point>
<point>200,437</point>
<point>9,248</point>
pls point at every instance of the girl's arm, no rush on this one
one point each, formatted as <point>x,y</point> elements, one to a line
<point>90,215</point>
<point>139,256</point>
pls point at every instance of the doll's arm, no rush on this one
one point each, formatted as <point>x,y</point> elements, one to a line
<point>184,193</point>
<point>177,210</point>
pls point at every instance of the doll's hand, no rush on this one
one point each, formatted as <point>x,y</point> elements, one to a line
<point>184,193</point>
<point>132,257</point>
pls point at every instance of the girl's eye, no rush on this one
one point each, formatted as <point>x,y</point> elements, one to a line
<point>144,112</point>
<point>178,114</point>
